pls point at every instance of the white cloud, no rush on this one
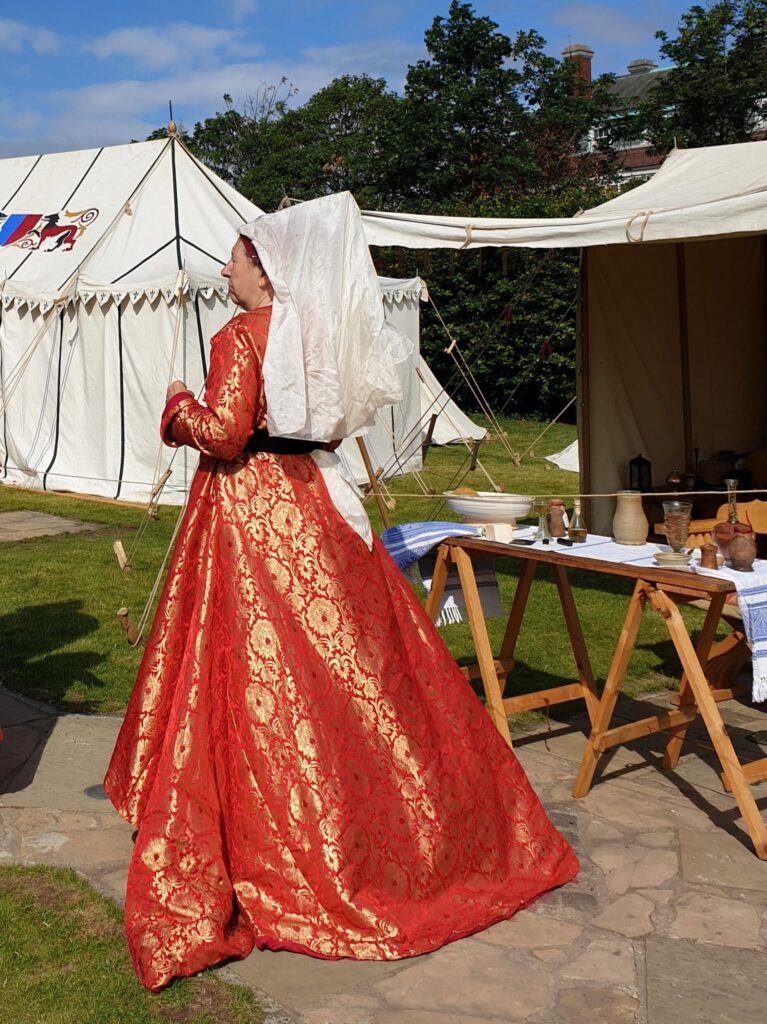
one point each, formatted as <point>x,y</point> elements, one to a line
<point>595,23</point>
<point>380,58</point>
<point>169,46</point>
<point>116,112</point>
<point>241,10</point>
<point>16,37</point>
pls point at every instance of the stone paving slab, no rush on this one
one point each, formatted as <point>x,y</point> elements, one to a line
<point>26,525</point>
<point>297,981</point>
<point>704,984</point>
<point>667,920</point>
<point>78,745</point>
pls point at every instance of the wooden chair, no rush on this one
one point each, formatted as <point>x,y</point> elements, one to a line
<point>728,656</point>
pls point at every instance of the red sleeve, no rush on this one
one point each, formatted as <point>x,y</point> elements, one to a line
<point>168,414</point>
<point>222,425</point>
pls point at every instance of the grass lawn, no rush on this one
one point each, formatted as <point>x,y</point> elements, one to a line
<point>63,958</point>
<point>60,642</point>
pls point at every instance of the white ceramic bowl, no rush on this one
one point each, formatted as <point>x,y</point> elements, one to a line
<point>489,507</point>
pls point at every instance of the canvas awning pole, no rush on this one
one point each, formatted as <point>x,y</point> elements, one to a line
<point>684,354</point>
<point>384,512</point>
<point>582,383</point>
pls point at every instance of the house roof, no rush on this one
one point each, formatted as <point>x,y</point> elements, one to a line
<point>632,89</point>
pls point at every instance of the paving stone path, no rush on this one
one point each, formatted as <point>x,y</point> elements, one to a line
<point>25,525</point>
<point>667,921</point>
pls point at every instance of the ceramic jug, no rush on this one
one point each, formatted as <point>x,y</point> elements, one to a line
<point>630,524</point>
<point>724,533</point>
<point>742,552</point>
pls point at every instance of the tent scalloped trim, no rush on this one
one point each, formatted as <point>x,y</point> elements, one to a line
<point>83,291</point>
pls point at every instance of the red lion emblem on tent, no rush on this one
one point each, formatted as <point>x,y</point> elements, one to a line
<point>31,230</point>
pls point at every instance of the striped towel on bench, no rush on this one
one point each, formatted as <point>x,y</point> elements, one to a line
<point>409,543</point>
<point>751,590</point>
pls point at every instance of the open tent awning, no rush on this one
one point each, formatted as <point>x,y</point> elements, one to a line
<point>672,332</point>
<point>697,193</point>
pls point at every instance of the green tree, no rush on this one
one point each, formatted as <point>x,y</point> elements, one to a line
<point>717,89</point>
<point>341,139</point>
<point>229,141</point>
<point>494,127</point>
<point>488,122</point>
<point>460,113</point>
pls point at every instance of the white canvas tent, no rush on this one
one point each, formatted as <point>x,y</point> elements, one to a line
<point>110,286</point>
<point>672,340</point>
<point>566,458</point>
<point>395,440</point>
<point>452,424</point>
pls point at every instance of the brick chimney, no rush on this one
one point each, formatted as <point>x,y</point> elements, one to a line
<point>581,55</point>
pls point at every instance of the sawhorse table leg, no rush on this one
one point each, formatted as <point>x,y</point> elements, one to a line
<point>493,671</point>
<point>695,696</point>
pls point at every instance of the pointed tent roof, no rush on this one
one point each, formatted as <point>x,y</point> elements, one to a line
<point>113,222</point>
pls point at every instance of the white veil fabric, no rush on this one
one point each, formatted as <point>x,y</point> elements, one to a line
<point>331,359</point>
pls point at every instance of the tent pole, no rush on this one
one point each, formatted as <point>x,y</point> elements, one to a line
<point>384,512</point>
<point>582,384</point>
<point>175,202</point>
<point>684,353</point>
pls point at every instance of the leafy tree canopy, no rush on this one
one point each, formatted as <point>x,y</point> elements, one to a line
<point>717,89</point>
<point>341,138</point>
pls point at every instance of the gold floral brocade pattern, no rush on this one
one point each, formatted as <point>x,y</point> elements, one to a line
<point>307,767</point>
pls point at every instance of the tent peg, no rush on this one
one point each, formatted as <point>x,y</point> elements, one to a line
<point>474,453</point>
<point>429,434</point>
<point>122,558</point>
<point>127,623</point>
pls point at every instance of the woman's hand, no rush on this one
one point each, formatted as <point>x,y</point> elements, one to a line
<point>330,446</point>
<point>174,389</point>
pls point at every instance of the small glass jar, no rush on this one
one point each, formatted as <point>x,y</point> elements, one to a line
<point>577,531</point>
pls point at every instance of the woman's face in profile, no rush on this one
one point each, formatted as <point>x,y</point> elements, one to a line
<point>249,286</point>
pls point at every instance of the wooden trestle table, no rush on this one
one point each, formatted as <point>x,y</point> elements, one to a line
<point>659,589</point>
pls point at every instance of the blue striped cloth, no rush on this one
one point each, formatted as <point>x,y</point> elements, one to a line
<point>408,542</point>
<point>752,602</point>
<point>751,590</point>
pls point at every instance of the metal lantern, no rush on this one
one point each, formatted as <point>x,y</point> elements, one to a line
<point>640,474</point>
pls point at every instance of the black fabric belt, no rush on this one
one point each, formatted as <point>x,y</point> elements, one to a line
<point>260,441</point>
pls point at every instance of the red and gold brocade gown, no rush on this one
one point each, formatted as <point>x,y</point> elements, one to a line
<point>307,767</point>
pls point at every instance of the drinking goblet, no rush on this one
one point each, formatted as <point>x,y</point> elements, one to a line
<point>676,516</point>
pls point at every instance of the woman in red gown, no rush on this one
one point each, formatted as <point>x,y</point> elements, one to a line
<point>306,766</point>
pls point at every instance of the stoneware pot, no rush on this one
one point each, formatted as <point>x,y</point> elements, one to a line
<point>742,552</point>
<point>630,524</point>
<point>723,534</point>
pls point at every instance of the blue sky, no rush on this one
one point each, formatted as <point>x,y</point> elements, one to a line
<point>73,75</point>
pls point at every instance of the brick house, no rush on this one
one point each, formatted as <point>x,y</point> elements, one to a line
<point>636,158</point>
